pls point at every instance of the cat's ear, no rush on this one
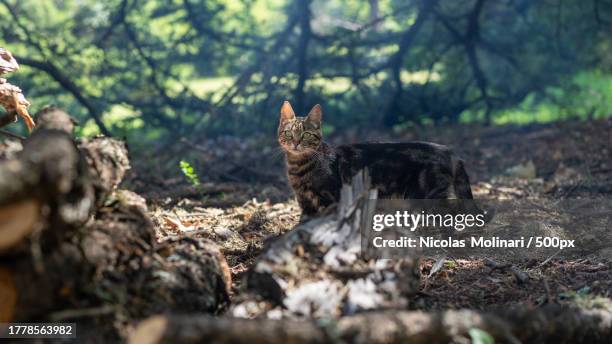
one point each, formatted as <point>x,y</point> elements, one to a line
<point>316,114</point>
<point>286,112</point>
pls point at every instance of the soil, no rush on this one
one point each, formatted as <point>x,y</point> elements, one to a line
<point>242,201</point>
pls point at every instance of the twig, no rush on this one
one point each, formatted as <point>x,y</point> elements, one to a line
<point>9,134</point>
<point>82,313</point>
<point>548,259</point>
<point>548,293</point>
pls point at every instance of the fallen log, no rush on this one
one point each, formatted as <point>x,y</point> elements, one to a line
<point>54,184</point>
<point>108,162</point>
<point>130,270</point>
<point>47,196</point>
<point>69,240</point>
<point>47,185</point>
<point>114,262</point>
<point>550,324</point>
<point>317,269</point>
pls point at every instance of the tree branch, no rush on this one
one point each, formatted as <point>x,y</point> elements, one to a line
<point>396,61</point>
<point>56,74</point>
<point>221,37</point>
<point>469,41</point>
<point>303,9</point>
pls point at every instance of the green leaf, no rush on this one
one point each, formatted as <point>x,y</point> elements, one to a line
<point>190,173</point>
<point>480,336</point>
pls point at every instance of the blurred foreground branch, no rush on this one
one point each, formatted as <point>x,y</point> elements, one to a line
<point>550,324</point>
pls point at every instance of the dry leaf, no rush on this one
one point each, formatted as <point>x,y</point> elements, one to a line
<point>176,224</point>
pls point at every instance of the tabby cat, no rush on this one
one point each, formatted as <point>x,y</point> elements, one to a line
<point>410,170</point>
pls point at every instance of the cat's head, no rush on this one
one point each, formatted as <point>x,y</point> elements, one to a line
<point>300,134</point>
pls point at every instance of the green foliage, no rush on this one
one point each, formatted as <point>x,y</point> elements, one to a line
<point>156,68</point>
<point>190,173</point>
<point>480,337</point>
<point>587,95</point>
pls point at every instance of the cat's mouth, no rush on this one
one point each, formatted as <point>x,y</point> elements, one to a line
<point>297,149</point>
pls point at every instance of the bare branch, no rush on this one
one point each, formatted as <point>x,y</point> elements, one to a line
<point>302,52</point>
<point>56,74</point>
<point>396,61</point>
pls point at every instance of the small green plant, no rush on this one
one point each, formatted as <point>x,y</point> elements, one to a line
<point>190,173</point>
<point>480,336</point>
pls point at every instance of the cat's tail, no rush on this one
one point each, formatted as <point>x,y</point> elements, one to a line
<point>461,181</point>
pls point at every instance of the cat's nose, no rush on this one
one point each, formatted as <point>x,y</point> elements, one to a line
<point>295,145</point>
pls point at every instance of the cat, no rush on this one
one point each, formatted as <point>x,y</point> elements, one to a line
<point>409,170</point>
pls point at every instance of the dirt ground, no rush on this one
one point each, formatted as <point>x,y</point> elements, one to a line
<point>243,201</point>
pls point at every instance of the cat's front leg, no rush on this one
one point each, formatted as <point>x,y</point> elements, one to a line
<point>313,205</point>
<point>308,205</point>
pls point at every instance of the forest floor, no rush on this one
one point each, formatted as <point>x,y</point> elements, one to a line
<point>243,201</point>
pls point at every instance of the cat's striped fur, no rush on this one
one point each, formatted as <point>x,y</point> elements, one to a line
<point>316,171</point>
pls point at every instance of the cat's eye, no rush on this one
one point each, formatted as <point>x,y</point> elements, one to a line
<point>287,134</point>
<point>308,136</point>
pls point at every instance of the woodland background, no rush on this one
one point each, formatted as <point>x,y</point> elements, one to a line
<point>158,69</point>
